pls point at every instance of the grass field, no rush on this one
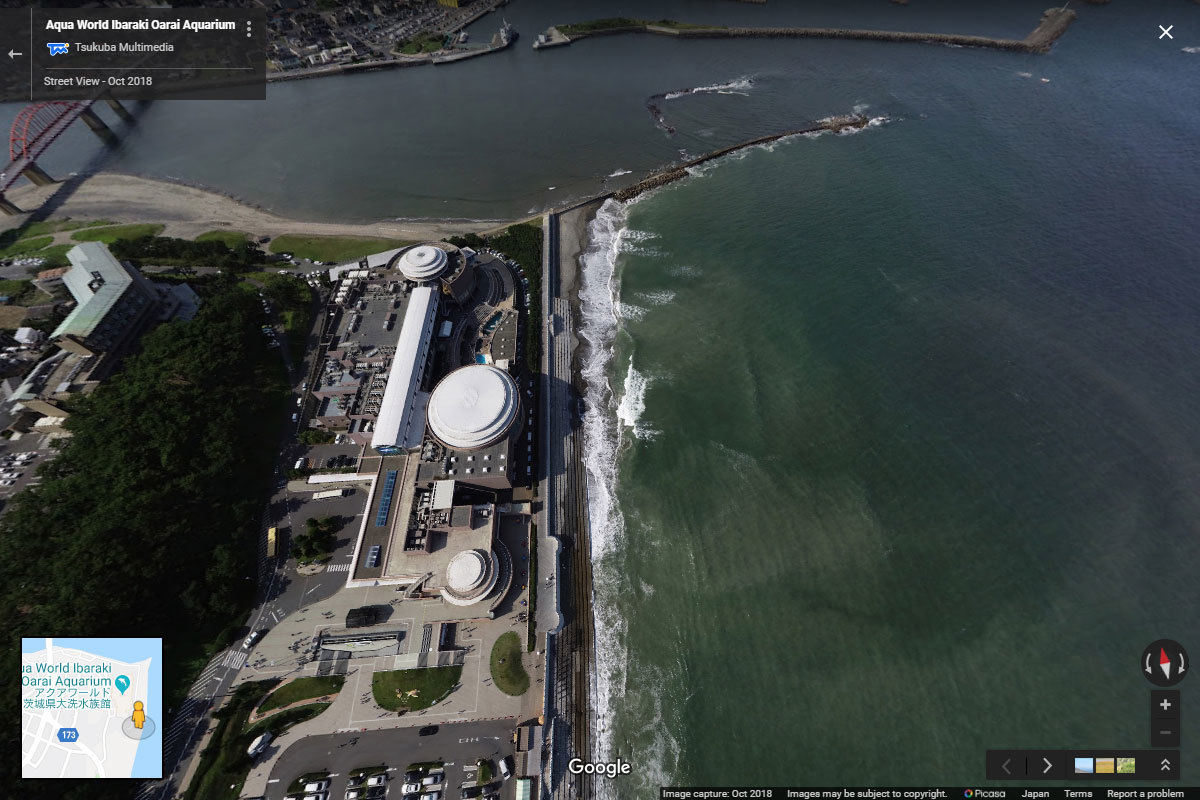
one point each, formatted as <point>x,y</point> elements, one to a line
<point>278,723</point>
<point>507,670</point>
<point>223,762</point>
<point>302,689</point>
<point>429,43</point>
<point>332,248</point>
<point>112,233</point>
<point>430,684</point>
<point>230,239</point>
<point>55,255</point>
<point>23,293</point>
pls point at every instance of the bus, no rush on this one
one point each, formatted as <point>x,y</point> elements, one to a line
<point>271,536</point>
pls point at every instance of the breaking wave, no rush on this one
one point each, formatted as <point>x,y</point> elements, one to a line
<point>600,317</point>
<point>737,86</point>
<point>619,172</point>
<point>1191,49</point>
<point>633,403</point>
<point>657,298</point>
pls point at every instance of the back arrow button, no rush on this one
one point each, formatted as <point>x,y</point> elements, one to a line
<point>12,54</point>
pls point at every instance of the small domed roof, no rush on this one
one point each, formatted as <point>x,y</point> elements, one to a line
<point>474,406</point>
<point>466,571</point>
<point>423,262</point>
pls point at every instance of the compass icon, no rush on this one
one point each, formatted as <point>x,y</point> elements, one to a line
<point>1165,662</point>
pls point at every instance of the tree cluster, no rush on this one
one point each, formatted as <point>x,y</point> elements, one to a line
<point>146,522</point>
<point>184,252</point>
<point>317,539</point>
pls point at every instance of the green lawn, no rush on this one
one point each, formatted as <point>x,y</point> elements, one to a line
<point>111,234</point>
<point>230,239</point>
<point>55,255</point>
<point>507,670</point>
<point>278,723</point>
<point>332,248</point>
<point>56,225</point>
<point>485,772</point>
<point>223,762</point>
<point>431,685</point>
<point>23,293</point>
<point>302,689</point>
<point>429,43</point>
<point>25,246</point>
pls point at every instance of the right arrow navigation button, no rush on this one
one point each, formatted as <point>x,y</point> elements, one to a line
<point>1049,765</point>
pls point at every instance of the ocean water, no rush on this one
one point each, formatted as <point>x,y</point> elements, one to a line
<point>894,440</point>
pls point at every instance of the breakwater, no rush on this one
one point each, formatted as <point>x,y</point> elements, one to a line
<point>1054,23</point>
<point>833,124</point>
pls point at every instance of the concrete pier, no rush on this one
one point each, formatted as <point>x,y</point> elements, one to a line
<point>98,126</point>
<point>9,207</point>
<point>1053,24</point>
<point>116,106</point>
<point>37,176</point>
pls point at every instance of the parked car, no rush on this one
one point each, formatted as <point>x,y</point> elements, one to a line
<point>409,788</point>
<point>428,730</point>
<point>431,780</point>
<point>412,776</point>
<point>376,780</point>
<point>7,482</point>
<point>353,794</point>
<point>316,786</point>
<point>433,796</point>
<point>506,767</point>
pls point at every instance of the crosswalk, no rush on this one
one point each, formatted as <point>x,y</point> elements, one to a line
<point>338,568</point>
<point>235,659</point>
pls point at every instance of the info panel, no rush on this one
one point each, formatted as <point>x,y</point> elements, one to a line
<point>134,53</point>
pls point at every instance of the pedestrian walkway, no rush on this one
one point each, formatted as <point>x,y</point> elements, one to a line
<point>338,567</point>
<point>234,659</point>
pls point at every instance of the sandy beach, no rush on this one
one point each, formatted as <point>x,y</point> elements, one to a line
<point>187,211</point>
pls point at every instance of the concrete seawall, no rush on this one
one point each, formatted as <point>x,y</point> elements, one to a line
<point>834,124</point>
<point>1054,23</point>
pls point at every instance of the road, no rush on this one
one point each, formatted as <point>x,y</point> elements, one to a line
<point>281,592</point>
<point>458,745</point>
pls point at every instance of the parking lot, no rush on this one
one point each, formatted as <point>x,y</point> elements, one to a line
<point>19,461</point>
<point>459,746</point>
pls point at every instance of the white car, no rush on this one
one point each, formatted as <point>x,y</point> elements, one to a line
<point>506,767</point>
<point>7,482</point>
<point>353,794</point>
<point>431,796</point>
<point>409,788</point>
<point>376,780</point>
<point>431,780</point>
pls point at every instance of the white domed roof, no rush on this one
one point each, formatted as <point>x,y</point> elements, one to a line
<point>423,262</point>
<point>466,571</point>
<point>473,406</point>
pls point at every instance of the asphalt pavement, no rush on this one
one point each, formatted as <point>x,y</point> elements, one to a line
<point>459,745</point>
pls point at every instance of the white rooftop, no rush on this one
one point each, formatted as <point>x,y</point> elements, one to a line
<point>473,407</point>
<point>423,262</point>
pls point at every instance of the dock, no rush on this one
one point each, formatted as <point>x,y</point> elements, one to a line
<point>1054,23</point>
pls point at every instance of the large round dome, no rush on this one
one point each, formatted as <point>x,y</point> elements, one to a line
<point>423,262</point>
<point>473,406</point>
<point>466,571</point>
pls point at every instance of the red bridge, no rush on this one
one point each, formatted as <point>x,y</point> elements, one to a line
<point>35,129</point>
